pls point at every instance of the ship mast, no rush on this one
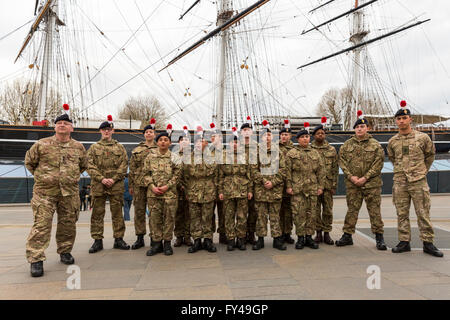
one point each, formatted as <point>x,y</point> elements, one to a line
<point>358,33</point>
<point>47,59</point>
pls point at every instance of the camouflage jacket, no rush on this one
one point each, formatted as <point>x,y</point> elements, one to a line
<point>199,180</point>
<point>181,185</point>
<point>412,155</point>
<point>107,160</point>
<point>331,161</point>
<point>235,178</point>
<point>362,158</point>
<point>284,149</point>
<point>269,169</point>
<point>138,156</point>
<point>305,171</point>
<point>162,170</point>
<point>56,166</point>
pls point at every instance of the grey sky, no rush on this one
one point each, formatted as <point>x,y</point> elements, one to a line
<point>419,59</point>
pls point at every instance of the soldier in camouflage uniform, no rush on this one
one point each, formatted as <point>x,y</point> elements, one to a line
<point>361,159</point>
<point>305,178</point>
<point>329,156</point>
<point>286,212</point>
<point>235,189</point>
<point>200,178</point>
<point>268,178</point>
<point>182,218</point>
<point>162,170</point>
<point>137,187</point>
<point>412,154</point>
<point>107,166</point>
<point>56,163</point>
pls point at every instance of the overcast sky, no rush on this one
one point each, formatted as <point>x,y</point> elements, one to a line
<point>415,65</point>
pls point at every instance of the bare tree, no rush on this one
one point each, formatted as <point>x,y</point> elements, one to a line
<point>330,105</point>
<point>144,108</point>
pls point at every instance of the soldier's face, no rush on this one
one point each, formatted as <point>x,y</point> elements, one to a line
<point>285,137</point>
<point>63,127</point>
<point>163,143</point>
<point>361,130</point>
<point>247,132</point>
<point>303,140</point>
<point>267,138</point>
<point>149,135</point>
<point>107,133</point>
<point>184,142</point>
<point>319,136</point>
<point>403,122</point>
<point>216,140</point>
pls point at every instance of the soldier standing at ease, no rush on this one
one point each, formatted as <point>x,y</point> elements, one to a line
<point>412,154</point>
<point>286,212</point>
<point>305,178</point>
<point>361,159</point>
<point>56,163</point>
<point>108,163</point>
<point>235,189</point>
<point>182,219</point>
<point>329,156</point>
<point>137,187</point>
<point>162,170</point>
<point>200,178</point>
<point>268,178</point>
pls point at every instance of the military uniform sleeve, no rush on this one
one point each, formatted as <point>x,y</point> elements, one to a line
<point>250,184</point>
<point>335,170</point>
<point>176,174</point>
<point>429,152</point>
<point>92,169</point>
<point>321,173</point>
<point>131,175</point>
<point>256,175</point>
<point>288,171</point>
<point>220,179</point>
<point>279,177</point>
<point>390,151</point>
<point>343,162</point>
<point>122,170</point>
<point>83,160</point>
<point>377,164</point>
<point>32,158</point>
<point>148,180</point>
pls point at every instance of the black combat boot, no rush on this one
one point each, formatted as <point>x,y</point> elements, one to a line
<point>167,248</point>
<point>300,242</point>
<point>156,247</point>
<point>230,245</point>
<point>327,239</point>
<point>288,239</point>
<point>428,247</point>
<point>402,246</point>
<point>96,246</point>
<point>241,244</point>
<point>188,241</point>
<point>309,242</point>
<point>318,238</point>
<point>380,241</point>
<point>197,246</point>
<point>120,244</point>
<point>259,244</point>
<point>278,243</point>
<point>250,238</point>
<point>37,269</point>
<point>178,242</point>
<point>345,240</point>
<point>209,245</point>
<point>67,258</point>
<point>139,242</point>
<point>222,238</point>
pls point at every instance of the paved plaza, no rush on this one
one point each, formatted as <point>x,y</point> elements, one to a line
<point>327,273</point>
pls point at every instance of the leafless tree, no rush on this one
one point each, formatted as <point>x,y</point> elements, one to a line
<point>144,108</point>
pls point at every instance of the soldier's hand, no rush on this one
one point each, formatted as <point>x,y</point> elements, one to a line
<point>250,196</point>
<point>319,192</point>
<point>268,185</point>
<point>105,182</point>
<point>156,191</point>
<point>362,181</point>
<point>289,191</point>
<point>221,197</point>
<point>130,191</point>
<point>163,189</point>
<point>333,191</point>
<point>354,180</point>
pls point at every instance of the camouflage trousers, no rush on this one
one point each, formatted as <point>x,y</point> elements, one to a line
<point>182,220</point>
<point>419,191</point>
<point>67,208</point>
<point>221,217</point>
<point>140,208</point>
<point>98,215</point>
<point>272,210</point>
<point>286,215</point>
<point>304,210</point>
<point>252,215</point>
<point>236,211</point>
<point>162,218</point>
<point>324,216</point>
<point>201,214</point>
<point>354,197</point>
